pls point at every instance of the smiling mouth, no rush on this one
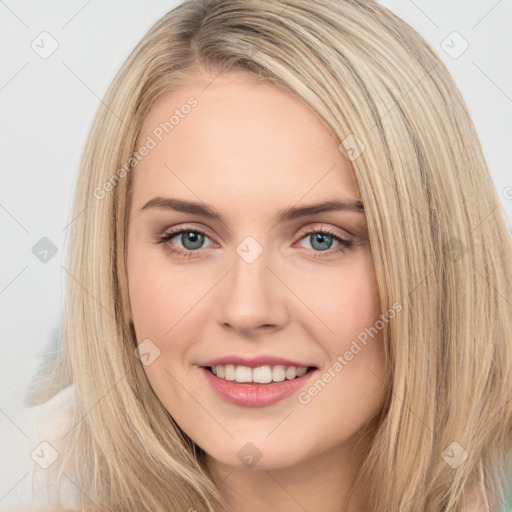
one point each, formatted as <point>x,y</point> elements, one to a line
<point>261,375</point>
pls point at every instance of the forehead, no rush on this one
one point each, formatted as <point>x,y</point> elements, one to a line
<point>236,138</point>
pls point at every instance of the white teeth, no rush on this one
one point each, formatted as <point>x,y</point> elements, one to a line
<point>260,375</point>
<point>278,373</point>
<point>229,372</point>
<point>291,372</point>
<point>301,371</point>
<point>243,374</point>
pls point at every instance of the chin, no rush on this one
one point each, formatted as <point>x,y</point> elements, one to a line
<point>257,456</point>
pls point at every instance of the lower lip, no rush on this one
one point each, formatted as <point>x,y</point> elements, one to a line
<point>255,395</point>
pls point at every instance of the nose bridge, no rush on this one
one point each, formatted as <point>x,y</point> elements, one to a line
<point>251,296</point>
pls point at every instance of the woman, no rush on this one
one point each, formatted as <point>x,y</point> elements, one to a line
<point>289,269</point>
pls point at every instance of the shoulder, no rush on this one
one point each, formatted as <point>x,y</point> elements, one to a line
<point>51,421</point>
<point>53,418</point>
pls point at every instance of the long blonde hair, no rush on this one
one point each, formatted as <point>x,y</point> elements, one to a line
<point>439,238</point>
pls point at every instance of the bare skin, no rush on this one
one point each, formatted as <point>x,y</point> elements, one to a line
<point>250,150</point>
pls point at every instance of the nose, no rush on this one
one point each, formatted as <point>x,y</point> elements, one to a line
<point>251,298</point>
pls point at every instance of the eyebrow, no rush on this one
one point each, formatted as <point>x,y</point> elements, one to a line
<point>296,212</point>
<point>284,215</point>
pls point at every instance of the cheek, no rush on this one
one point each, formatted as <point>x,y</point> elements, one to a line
<point>350,332</point>
<point>160,295</point>
<point>166,308</point>
<point>160,300</point>
<point>361,325</point>
<point>345,301</point>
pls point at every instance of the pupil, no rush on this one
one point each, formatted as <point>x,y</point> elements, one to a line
<point>320,237</point>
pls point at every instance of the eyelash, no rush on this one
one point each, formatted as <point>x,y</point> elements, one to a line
<point>163,239</point>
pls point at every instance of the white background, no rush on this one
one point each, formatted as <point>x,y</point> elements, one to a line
<point>47,106</point>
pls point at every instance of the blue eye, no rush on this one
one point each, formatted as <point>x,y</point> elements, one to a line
<point>192,240</point>
<point>322,239</point>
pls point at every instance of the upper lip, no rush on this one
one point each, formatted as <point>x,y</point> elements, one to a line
<point>254,362</point>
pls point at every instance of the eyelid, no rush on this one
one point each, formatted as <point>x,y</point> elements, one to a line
<point>345,235</point>
<point>174,231</point>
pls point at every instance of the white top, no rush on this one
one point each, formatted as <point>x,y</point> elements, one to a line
<point>44,426</point>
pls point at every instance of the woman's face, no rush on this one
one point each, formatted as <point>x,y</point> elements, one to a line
<point>247,252</point>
